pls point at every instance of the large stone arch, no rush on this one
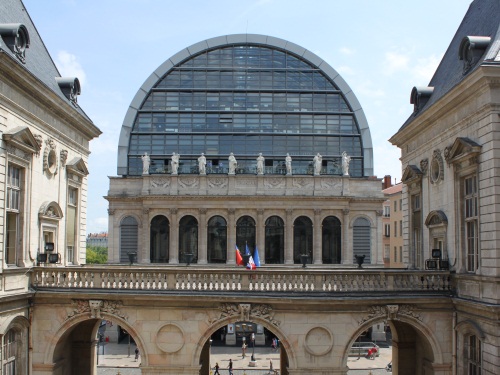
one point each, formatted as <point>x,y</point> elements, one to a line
<point>214,326</point>
<point>66,328</point>
<point>401,327</point>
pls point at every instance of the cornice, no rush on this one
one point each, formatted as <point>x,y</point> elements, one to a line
<point>45,97</point>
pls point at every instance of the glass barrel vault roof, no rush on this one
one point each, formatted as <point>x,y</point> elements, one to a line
<point>246,94</point>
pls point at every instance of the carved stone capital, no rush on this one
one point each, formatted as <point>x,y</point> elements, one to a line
<point>424,165</point>
<point>346,211</point>
<point>203,211</point>
<point>64,156</point>
<point>379,212</point>
<point>231,211</point>
<point>260,211</point>
<point>111,212</point>
<point>173,211</point>
<point>317,211</point>
<point>145,211</point>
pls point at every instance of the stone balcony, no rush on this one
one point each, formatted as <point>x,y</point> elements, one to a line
<point>278,281</point>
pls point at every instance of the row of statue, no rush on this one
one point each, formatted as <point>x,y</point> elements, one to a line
<point>233,164</point>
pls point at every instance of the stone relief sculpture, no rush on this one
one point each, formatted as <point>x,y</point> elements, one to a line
<point>288,164</point>
<point>202,164</point>
<point>260,164</point>
<point>232,164</point>
<point>345,163</point>
<point>317,161</point>
<point>175,163</point>
<point>146,161</point>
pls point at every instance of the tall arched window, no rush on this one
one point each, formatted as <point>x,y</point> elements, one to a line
<point>217,240</point>
<point>302,239</point>
<point>128,238</point>
<point>245,233</point>
<point>331,240</point>
<point>159,239</point>
<point>188,240</point>
<point>361,239</point>
<point>275,240</point>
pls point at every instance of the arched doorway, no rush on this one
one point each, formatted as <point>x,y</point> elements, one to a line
<point>249,346</point>
<point>87,344</point>
<point>405,348</point>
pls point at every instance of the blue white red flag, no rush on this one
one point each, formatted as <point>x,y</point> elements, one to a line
<point>239,259</point>
<point>251,264</point>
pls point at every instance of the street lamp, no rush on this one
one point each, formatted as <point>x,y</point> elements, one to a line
<point>253,347</point>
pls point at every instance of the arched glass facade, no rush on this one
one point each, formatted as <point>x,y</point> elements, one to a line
<point>275,240</point>
<point>159,239</point>
<point>246,98</point>
<point>245,234</point>
<point>188,240</point>
<point>217,240</point>
<point>302,239</point>
<point>128,237</point>
<point>331,240</point>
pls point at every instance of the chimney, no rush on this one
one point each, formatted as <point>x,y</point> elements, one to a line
<point>387,182</point>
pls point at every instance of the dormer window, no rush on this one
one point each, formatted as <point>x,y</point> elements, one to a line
<point>16,37</point>
<point>70,86</point>
<point>420,96</point>
<point>471,49</point>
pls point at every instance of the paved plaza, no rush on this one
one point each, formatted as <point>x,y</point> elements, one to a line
<point>116,360</point>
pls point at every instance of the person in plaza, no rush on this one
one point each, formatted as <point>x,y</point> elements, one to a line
<point>271,370</point>
<point>136,354</point>
<point>273,344</point>
<point>243,349</point>
<point>372,352</point>
<point>230,367</point>
<point>216,368</point>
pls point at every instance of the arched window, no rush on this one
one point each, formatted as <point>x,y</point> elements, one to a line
<point>275,240</point>
<point>245,233</point>
<point>188,240</point>
<point>302,239</point>
<point>361,239</point>
<point>331,240</point>
<point>217,240</point>
<point>128,238</point>
<point>159,239</point>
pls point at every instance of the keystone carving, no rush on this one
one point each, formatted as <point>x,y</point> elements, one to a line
<point>391,311</point>
<point>96,307</point>
<point>245,312</point>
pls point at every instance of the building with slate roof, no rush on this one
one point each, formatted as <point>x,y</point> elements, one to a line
<point>44,147</point>
<point>449,148</point>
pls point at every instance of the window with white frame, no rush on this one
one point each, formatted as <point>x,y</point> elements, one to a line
<point>387,211</point>
<point>416,222</point>
<point>401,253</point>
<point>387,230</point>
<point>473,355</point>
<point>9,352</point>
<point>71,215</point>
<point>14,214</point>
<point>395,229</point>
<point>395,254</point>
<point>470,221</point>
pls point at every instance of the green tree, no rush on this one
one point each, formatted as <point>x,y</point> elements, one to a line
<point>97,255</point>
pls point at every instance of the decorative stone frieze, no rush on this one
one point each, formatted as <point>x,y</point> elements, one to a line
<point>50,159</point>
<point>437,167</point>
<point>245,311</point>
<point>217,183</point>
<point>160,182</point>
<point>391,312</point>
<point>63,156</point>
<point>189,182</point>
<point>274,182</point>
<point>95,308</point>
<point>424,165</point>
<point>302,183</point>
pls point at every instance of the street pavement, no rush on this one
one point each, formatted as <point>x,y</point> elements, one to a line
<point>116,360</point>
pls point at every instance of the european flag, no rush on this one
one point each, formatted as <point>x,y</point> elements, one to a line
<point>256,258</point>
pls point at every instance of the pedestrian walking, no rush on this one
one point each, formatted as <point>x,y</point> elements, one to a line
<point>243,349</point>
<point>136,354</point>
<point>216,368</point>
<point>230,367</point>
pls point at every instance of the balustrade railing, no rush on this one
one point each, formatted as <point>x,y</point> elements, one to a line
<point>237,280</point>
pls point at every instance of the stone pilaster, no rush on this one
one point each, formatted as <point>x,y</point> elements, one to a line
<point>347,255</point>
<point>289,237</point>
<point>231,237</point>
<point>174,237</point>
<point>202,237</point>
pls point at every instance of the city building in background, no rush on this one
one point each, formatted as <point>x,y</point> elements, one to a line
<point>97,239</point>
<point>392,220</point>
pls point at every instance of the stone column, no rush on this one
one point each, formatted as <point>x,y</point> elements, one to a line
<point>317,234</point>
<point>261,235</point>
<point>174,237</point>
<point>113,243</point>
<point>143,252</point>
<point>231,237</point>
<point>289,237</point>
<point>377,250</point>
<point>202,237</point>
<point>347,255</point>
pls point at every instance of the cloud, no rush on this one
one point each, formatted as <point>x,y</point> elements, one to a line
<point>395,61</point>
<point>425,68</point>
<point>345,70</point>
<point>69,66</point>
<point>347,51</point>
<point>97,225</point>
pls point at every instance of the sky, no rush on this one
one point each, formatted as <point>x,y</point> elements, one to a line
<point>381,48</point>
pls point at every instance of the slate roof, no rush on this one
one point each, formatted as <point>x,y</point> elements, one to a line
<point>481,19</point>
<point>38,60</point>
